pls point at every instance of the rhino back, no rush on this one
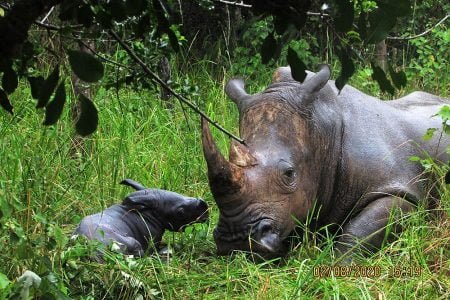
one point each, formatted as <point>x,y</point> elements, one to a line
<point>378,137</point>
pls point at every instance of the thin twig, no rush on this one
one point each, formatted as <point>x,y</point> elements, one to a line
<point>42,24</point>
<point>47,15</point>
<point>234,3</point>
<point>164,85</point>
<point>242,4</point>
<point>102,57</point>
<point>420,34</point>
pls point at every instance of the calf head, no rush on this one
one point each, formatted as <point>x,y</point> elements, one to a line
<point>172,210</point>
<point>272,179</point>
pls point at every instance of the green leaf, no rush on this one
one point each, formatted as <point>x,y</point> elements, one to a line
<point>384,83</point>
<point>85,15</point>
<point>268,48</point>
<point>444,112</point>
<point>118,10</point>
<point>87,67</point>
<point>4,102</point>
<point>10,81</point>
<point>36,84</point>
<point>398,78</point>
<point>280,24</point>
<point>347,68</point>
<point>399,8</point>
<point>344,19</point>
<point>54,109</point>
<point>4,281</point>
<point>136,7</point>
<point>429,134</point>
<point>48,87</point>
<point>88,121</point>
<point>380,25</point>
<point>298,67</point>
<point>414,158</point>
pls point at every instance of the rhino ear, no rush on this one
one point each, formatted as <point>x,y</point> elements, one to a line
<point>282,74</point>
<point>317,81</point>
<point>146,198</point>
<point>235,89</point>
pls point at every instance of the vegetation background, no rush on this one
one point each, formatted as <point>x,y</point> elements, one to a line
<point>51,177</point>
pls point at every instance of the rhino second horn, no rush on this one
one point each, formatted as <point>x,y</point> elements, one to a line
<point>224,177</point>
<point>235,89</point>
<point>240,155</point>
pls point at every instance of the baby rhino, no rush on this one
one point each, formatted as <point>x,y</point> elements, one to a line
<point>142,217</point>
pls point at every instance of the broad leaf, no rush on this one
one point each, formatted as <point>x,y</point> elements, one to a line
<point>118,10</point>
<point>55,108</point>
<point>36,84</point>
<point>281,24</point>
<point>362,25</point>
<point>399,8</point>
<point>268,48</point>
<point>429,134</point>
<point>136,7</point>
<point>398,78</point>
<point>10,81</point>
<point>298,67</point>
<point>85,66</point>
<point>444,113</point>
<point>48,87</point>
<point>345,16</point>
<point>347,68</point>
<point>4,281</point>
<point>380,25</point>
<point>4,102</point>
<point>88,120</point>
<point>380,77</point>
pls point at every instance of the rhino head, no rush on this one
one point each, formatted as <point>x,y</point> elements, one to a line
<point>273,179</point>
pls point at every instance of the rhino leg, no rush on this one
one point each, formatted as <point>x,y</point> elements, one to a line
<point>367,230</point>
<point>129,245</point>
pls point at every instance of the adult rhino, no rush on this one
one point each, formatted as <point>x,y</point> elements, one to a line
<point>307,145</point>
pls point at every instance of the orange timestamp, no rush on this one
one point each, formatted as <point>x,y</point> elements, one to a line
<point>397,271</point>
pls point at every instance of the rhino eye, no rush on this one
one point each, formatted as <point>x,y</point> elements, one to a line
<point>289,173</point>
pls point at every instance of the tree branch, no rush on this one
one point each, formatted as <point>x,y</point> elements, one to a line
<point>242,4</point>
<point>420,34</point>
<point>181,98</point>
<point>234,3</point>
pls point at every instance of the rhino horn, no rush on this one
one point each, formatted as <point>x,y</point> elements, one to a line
<point>317,81</point>
<point>240,155</point>
<point>224,176</point>
<point>236,91</point>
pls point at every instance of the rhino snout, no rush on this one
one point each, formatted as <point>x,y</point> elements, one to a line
<point>263,239</point>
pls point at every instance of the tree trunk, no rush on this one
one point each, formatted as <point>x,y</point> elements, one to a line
<point>381,55</point>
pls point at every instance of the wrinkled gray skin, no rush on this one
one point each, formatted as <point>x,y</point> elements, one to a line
<point>308,146</point>
<point>143,216</point>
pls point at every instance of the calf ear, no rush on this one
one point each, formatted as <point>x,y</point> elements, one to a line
<point>136,185</point>
<point>146,198</point>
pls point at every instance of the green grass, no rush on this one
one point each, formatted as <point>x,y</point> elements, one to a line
<point>46,188</point>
